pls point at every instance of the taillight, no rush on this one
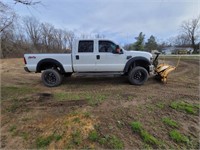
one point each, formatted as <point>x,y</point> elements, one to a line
<point>24,61</point>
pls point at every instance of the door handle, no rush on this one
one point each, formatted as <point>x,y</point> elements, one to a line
<point>98,56</point>
<point>77,57</point>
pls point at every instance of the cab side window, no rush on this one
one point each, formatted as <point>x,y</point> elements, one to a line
<point>86,46</point>
<point>106,46</point>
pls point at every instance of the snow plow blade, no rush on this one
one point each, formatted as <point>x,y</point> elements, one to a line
<point>162,71</point>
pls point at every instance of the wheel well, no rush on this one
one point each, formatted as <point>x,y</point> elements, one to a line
<point>48,64</point>
<point>138,62</point>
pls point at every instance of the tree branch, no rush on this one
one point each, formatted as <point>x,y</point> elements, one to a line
<point>27,2</point>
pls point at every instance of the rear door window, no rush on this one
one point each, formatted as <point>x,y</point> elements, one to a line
<point>86,46</point>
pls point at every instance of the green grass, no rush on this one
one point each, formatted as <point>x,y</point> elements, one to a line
<point>24,135</point>
<point>115,142</point>
<point>12,128</point>
<point>87,114</point>
<point>136,126</point>
<point>57,137</point>
<point>169,122</point>
<point>10,92</point>
<point>76,138</point>
<point>93,136</point>
<point>66,96</point>
<point>146,137</point>
<point>178,137</point>
<point>92,98</point>
<point>96,99</point>
<point>42,142</point>
<point>160,105</point>
<point>76,120</point>
<point>14,106</point>
<point>186,107</point>
<point>111,142</point>
<point>108,141</point>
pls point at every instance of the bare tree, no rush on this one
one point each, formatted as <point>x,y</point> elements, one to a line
<point>7,16</point>
<point>55,40</point>
<point>190,29</point>
<point>27,2</point>
<point>180,40</point>
<point>99,36</point>
<point>47,31</point>
<point>69,37</point>
<point>7,41</point>
<point>32,27</point>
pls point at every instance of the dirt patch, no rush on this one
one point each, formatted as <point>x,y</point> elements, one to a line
<point>69,103</point>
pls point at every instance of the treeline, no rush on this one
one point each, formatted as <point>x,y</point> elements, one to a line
<point>28,35</point>
<point>149,45</point>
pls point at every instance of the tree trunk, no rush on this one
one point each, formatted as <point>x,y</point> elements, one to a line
<point>194,46</point>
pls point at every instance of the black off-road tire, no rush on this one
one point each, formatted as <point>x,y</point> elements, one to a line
<point>138,75</point>
<point>51,78</point>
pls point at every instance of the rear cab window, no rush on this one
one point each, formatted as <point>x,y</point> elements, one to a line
<point>86,46</point>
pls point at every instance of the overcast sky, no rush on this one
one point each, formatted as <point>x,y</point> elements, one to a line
<point>120,20</point>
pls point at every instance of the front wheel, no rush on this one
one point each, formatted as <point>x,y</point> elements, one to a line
<point>51,78</point>
<point>138,75</point>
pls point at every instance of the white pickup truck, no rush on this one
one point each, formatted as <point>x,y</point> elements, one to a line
<point>91,56</point>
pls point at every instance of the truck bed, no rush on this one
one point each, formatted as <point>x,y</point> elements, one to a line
<point>33,59</point>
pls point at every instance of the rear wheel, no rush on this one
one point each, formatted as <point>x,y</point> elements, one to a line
<point>138,76</point>
<point>51,78</point>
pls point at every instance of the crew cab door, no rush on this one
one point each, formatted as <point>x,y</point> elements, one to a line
<point>84,58</point>
<point>107,61</point>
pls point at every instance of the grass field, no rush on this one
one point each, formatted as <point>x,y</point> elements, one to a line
<point>100,112</point>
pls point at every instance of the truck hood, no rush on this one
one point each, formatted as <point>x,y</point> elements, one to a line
<point>139,54</point>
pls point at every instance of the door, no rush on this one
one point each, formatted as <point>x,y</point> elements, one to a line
<point>84,58</point>
<point>107,59</point>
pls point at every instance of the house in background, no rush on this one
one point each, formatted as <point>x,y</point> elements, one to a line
<point>177,50</point>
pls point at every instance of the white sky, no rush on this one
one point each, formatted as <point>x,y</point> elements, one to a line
<point>120,20</point>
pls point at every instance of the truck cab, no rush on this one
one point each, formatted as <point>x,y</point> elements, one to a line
<point>100,55</point>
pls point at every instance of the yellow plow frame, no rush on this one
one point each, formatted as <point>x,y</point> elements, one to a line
<point>162,70</point>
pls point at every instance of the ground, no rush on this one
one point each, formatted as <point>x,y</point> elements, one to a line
<point>100,112</point>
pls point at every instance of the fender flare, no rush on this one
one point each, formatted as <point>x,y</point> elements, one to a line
<point>134,59</point>
<point>50,61</point>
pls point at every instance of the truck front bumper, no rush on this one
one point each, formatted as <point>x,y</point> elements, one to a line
<point>151,68</point>
<point>26,69</point>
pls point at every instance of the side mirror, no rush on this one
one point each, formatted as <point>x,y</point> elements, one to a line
<point>121,51</point>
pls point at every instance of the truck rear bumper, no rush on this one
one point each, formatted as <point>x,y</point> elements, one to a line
<point>26,69</point>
